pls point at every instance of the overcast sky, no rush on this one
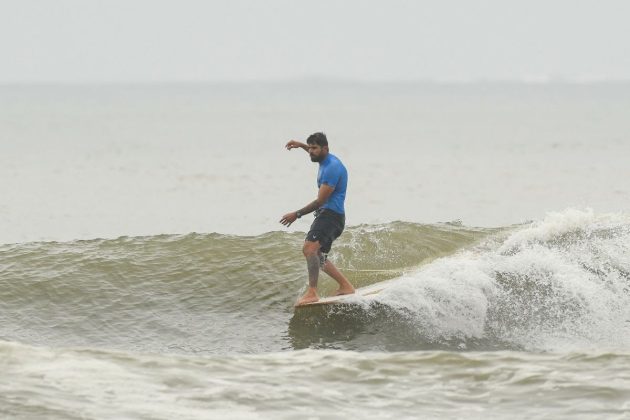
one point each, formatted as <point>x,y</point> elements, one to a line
<point>185,40</point>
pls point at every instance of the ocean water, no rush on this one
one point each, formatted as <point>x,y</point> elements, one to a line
<point>144,275</point>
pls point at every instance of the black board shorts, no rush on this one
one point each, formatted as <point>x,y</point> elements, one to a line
<point>326,227</point>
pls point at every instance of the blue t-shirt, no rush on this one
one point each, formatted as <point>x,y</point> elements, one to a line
<point>333,173</point>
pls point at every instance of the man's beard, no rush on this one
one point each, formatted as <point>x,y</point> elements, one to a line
<point>316,158</point>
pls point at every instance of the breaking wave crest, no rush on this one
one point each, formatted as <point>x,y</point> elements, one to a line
<point>561,283</point>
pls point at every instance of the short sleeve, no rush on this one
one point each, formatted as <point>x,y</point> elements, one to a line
<point>331,175</point>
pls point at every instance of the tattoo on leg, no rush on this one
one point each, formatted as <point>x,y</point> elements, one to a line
<point>312,262</point>
<point>322,259</point>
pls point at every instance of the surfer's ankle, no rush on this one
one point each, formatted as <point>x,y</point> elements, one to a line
<point>344,291</point>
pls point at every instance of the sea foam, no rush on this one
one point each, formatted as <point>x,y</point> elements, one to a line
<point>558,284</point>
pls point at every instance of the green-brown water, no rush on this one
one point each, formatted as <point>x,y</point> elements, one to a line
<point>530,319</point>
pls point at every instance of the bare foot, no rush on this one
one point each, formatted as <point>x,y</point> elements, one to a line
<point>309,297</point>
<point>344,291</point>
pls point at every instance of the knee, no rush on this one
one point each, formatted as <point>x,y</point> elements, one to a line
<point>310,248</point>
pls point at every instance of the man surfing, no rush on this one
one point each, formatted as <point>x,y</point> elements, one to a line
<point>330,218</point>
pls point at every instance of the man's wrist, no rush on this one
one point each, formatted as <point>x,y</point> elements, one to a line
<point>298,214</point>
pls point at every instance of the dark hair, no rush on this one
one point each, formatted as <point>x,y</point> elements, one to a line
<point>318,139</point>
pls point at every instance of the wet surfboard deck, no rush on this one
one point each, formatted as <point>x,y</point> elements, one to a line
<point>360,295</point>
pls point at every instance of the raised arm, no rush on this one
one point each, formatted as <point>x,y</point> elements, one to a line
<point>294,144</point>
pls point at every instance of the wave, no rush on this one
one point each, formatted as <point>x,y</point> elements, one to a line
<point>559,283</point>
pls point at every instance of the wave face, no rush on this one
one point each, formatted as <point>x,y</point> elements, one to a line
<point>561,282</point>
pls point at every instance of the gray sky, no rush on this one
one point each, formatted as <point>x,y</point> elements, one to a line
<point>185,40</point>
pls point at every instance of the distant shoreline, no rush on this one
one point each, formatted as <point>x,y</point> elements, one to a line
<point>543,82</point>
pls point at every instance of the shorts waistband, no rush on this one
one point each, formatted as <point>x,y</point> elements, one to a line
<point>330,212</point>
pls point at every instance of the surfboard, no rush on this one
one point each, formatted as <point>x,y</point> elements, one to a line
<point>360,295</point>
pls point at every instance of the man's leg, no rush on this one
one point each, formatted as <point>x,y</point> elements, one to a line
<point>345,287</point>
<point>311,253</point>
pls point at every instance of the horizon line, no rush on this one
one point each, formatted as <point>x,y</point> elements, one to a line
<point>317,80</point>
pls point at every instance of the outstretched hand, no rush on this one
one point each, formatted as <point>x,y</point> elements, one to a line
<point>288,218</point>
<point>293,144</point>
